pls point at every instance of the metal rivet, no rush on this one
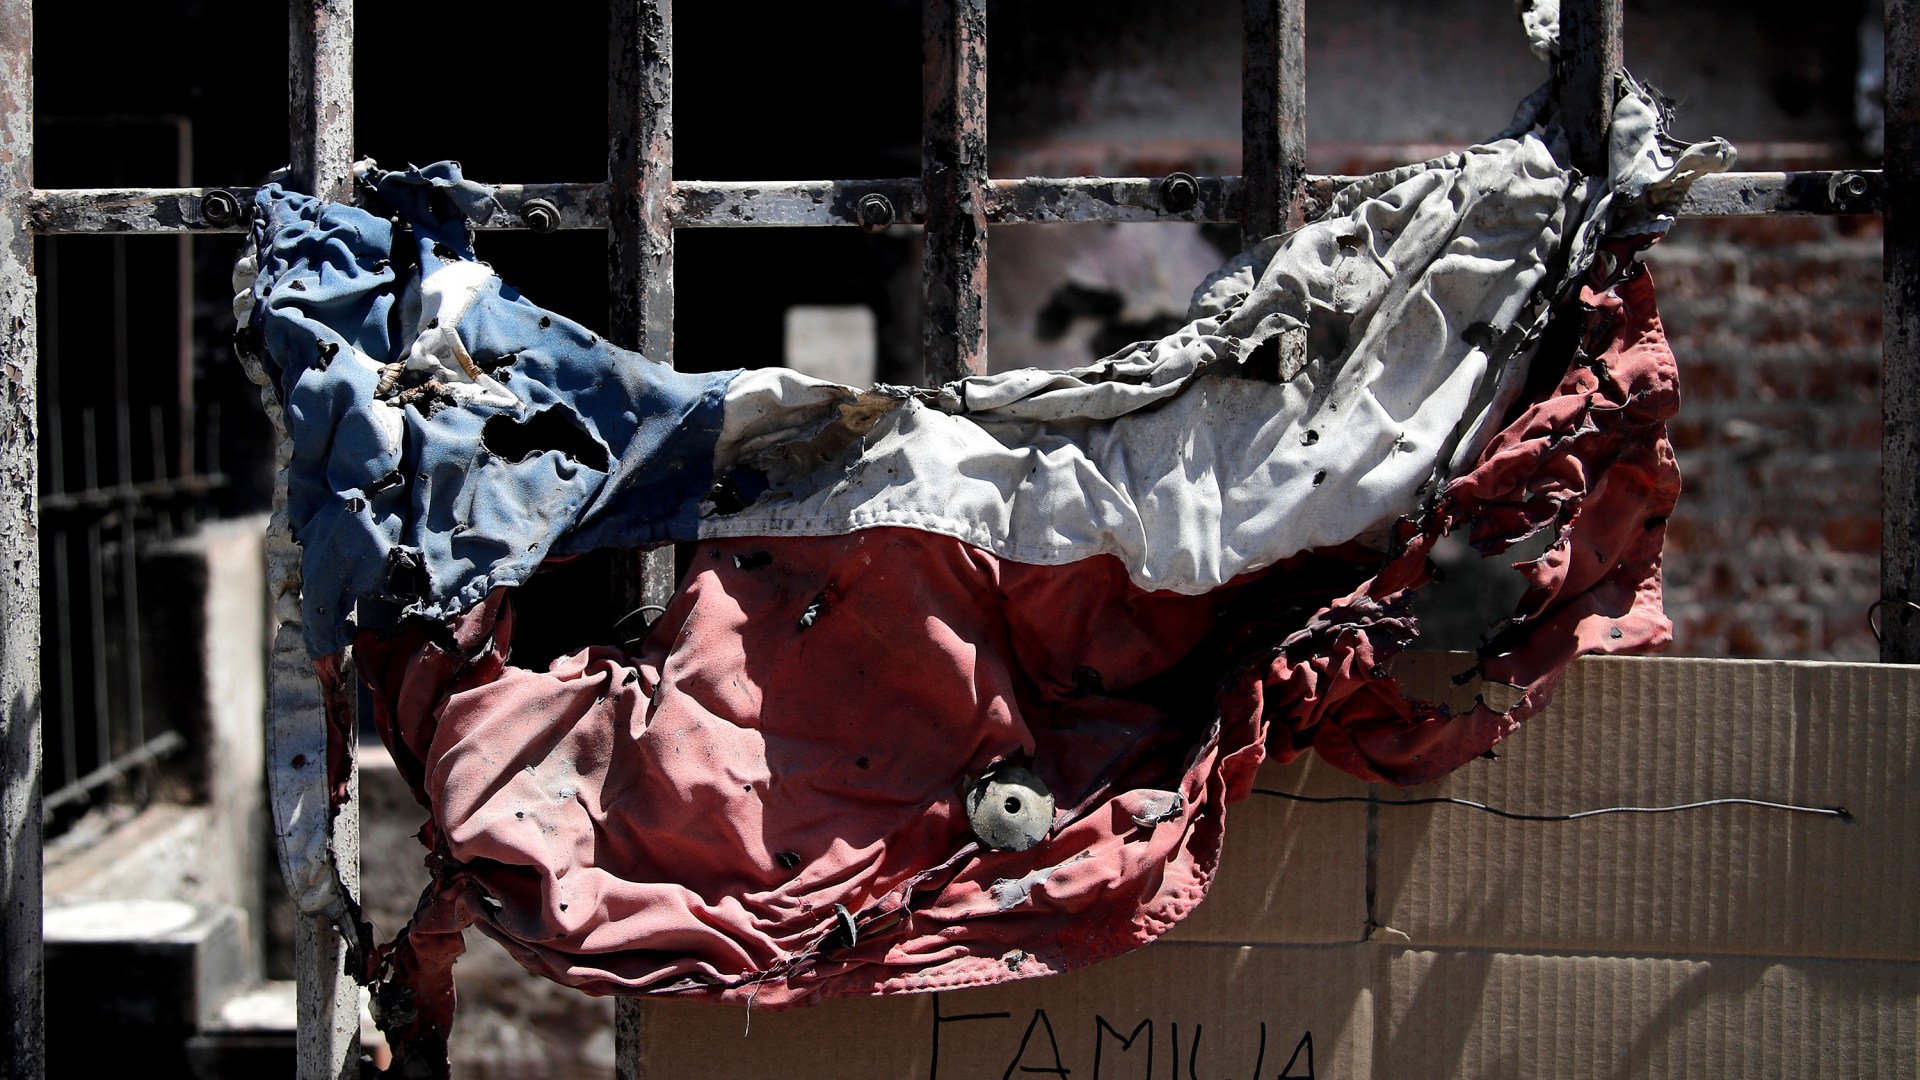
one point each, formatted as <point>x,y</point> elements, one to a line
<point>1010,809</point>
<point>219,207</point>
<point>876,211</point>
<point>1851,185</point>
<point>540,215</point>
<point>1178,192</point>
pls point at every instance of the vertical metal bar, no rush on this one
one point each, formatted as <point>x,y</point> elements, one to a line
<point>57,538</point>
<point>640,167</point>
<point>134,726</point>
<point>96,595</point>
<point>953,161</point>
<point>126,713</point>
<point>1900,396</point>
<point>640,267</point>
<point>183,312</point>
<point>21,1000</point>
<point>63,636</point>
<point>1273,117</point>
<point>1589,57</point>
<point>320,95</point>
<point>320,123</point>
<point>640,236</point>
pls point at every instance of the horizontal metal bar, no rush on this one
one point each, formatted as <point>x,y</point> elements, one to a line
<point>132,210</point>
<point>161,745</point>
<point>698,204</point>
<point>577,206</point>
<point>694,204</point>
<point>1104,198</point>
<point>149,490</point>
<point>1842,191</point>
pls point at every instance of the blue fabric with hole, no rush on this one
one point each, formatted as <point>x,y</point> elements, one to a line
<point>409,502</point>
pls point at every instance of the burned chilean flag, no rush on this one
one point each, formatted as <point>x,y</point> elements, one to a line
<point>961,680</point>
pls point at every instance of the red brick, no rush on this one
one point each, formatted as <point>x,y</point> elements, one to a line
<point>1860,226</point>
<point>1816,275</point>
<point>1849,638</point>
<point>1687,434</point>
<point>1707,380</point>
<point>1856,533</point>
<point>1690,280</point>
<point>1755,233</point>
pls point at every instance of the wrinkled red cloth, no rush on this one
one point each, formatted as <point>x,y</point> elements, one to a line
<point>765,802</point>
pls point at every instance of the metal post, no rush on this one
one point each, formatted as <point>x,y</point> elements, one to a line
<point>1589,57</point>
<point>640,176</point>
<point>320,96</point>
<point>319,841</point>
<point>1273,117</point>
<point>640,262</point>
<point>640,236</point>
<point>953,159</point>
<point>20,949</point>
<point>1900,396</point>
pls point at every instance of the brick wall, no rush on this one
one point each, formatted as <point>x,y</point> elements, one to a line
<point>1775,548</point>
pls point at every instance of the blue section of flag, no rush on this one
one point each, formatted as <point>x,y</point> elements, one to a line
<point>416,498</point>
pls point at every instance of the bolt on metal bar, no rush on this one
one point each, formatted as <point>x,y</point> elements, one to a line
<point>1584,78</point>
<point>21,997</point>
<point>319,842</point>
<point>1273,117</point>
<point>953,160</point>
<point>1900,357</point>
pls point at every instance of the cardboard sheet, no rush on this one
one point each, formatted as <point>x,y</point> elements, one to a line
<point>1723,880</point>
<point>1348,940</point>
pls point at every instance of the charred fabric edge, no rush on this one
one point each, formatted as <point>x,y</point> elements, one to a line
<point>1591,462</point>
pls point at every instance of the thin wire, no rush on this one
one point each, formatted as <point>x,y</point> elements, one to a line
<point>1873,609</point>
<point>656,608</point>
<point>1840,812</point>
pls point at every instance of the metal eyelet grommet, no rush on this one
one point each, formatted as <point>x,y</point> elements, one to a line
<point>1010,809</point>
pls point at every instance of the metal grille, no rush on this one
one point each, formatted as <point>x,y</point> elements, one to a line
<point>641,205</point>
<point>127,460</point>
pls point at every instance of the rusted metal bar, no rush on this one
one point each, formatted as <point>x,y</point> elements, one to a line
<point>806,202</point>
<point>573,206</point>
<point>21,1000</point>
<point>318,835</point>
<point>953,161</point>
<point>139,210</point>
<point>1900,393</point>
<point>1273,117</point>
<point>1099,198</point>
<point>1835,191</point>
<point>698,204</point>
<point>1584,78</point>
<point>640,262</point>
<point>320,96</point>
<point>640,165</point>
<point>640,238</point>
